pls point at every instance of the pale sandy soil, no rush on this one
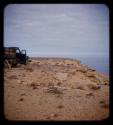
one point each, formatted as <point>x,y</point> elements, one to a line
<point>55,89</point>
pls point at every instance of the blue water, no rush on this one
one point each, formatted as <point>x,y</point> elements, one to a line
<point>100,64</point>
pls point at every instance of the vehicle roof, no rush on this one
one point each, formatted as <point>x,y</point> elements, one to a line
<point>12,47</point>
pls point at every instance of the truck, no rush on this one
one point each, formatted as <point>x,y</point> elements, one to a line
<point>14,56</point>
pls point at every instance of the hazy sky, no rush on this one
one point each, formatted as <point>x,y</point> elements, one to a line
<point>58,29</point>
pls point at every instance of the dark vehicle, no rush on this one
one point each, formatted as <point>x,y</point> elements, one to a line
<point>15,56</point>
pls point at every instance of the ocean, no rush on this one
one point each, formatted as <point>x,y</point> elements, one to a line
<point>100,64</point>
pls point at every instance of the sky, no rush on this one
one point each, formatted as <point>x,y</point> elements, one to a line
<point>67,30</point>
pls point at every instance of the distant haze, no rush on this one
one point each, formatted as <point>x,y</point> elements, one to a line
<point>58,29</point>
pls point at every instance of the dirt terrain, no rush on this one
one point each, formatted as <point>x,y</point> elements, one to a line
<point>55,89</point>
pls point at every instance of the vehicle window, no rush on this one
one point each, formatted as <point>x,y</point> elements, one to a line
<point>23,51</point>
<point>17,51</point>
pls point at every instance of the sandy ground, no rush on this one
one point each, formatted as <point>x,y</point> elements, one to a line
<point>55,89</point>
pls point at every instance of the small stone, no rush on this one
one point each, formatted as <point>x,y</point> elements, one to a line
<point>60,106</point>
<point>21,99</point>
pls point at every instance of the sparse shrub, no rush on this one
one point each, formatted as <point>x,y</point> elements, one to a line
<point>34,87</point>
<point>90,94</point>
<point>59,83</point>
<point>82,70</point>
<point>29,69</point>
<point>48,117</point>
<point>54,90</point>
<point>60,106</point>
<point>23,75</point>
<point>33,84</point>
<point>105,105</point>
<point>73,87</point>
<point>54,115</point>
<point>29,60</point>
<point>23,94</point>
<point>93,87</point>
<point>50,84</point>
<point>106,83</point>
<point>73,73</point>
<point>80,87</point>
<point>90,75</point>
<point>21,82</point>
<point>21,99</point>
<point>59,96</point>
<point>12,77</point>
<point>95,80</point>
<point>101,102</point>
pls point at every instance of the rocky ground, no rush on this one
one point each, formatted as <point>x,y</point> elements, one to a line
<point>55,89</point>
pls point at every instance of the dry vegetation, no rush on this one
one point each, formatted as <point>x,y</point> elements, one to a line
<point>55,89</point>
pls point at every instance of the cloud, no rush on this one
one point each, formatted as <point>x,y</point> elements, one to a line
<point>58,29</point>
